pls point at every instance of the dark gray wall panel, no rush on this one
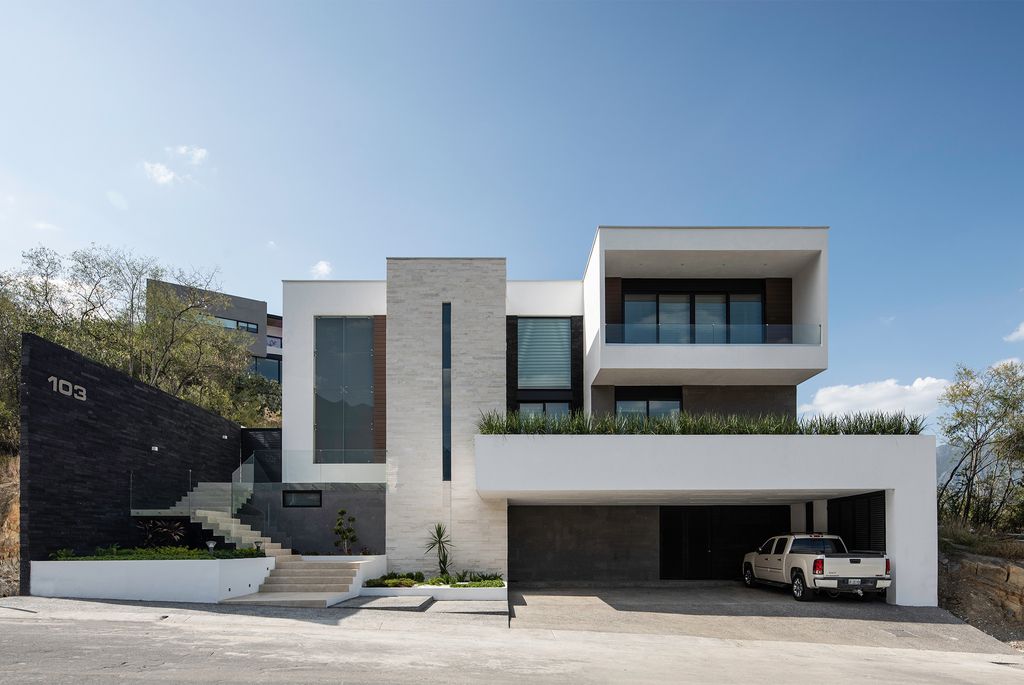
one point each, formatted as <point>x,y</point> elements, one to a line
<point>77,458</point>
<point>583,543</point>
<point>748,400</point>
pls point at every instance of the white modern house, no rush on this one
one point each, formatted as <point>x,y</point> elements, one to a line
<point>387,381</point>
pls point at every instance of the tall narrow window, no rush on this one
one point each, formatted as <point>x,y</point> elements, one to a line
<point>641,318</point>
<point>446,391</point>
<point>710,319</point>
<point>745,319</point>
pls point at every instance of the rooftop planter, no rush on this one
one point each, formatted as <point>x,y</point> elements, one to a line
<point>578,423</point>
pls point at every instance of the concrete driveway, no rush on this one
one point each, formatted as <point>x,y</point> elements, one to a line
<point>729,610</point>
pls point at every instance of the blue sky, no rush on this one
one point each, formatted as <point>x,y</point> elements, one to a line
<point>264,138</point>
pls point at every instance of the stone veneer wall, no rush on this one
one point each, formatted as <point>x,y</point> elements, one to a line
<point>86,464</point>
<point>416,495</point>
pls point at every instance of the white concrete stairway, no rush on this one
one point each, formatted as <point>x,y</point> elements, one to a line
<point>298,583</point>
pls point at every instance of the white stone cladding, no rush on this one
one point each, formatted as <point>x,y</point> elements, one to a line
<point>416,495</point>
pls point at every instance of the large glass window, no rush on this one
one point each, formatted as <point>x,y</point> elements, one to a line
<point>268,367</point>
<point>745,319</point>
<point>674,319</point>
<point>640,318</point>
<point>544,408</point>
<point>344,389</point>
<point>709,317</point>
<point>544,354</point>
<point>648,408</point>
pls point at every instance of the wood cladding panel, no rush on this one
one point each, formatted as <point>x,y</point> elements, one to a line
<point>778,301</point>
<point>380,387</point>
<point>613,300</point>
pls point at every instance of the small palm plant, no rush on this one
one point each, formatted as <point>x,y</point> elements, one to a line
<point>440,542</point>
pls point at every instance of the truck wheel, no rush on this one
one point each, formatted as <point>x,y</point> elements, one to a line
<point>801,592</point>
<point>748,576</point>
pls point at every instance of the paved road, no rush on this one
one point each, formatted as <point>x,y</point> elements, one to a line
<point>46,640</point>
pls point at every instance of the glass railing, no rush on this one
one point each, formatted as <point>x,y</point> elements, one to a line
<point>349,456</point>
<point>712,334</point>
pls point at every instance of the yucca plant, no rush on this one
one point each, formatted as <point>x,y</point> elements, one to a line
<point>440,542</point>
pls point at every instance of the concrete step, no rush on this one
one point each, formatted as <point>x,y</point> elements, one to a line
<point>274,579</point>
<point>300,571</point>
<point>282,555</point>
<point>305,587</point>
<point>310,600</point>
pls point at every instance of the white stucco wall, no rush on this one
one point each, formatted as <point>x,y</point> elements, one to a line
<point>732,469</point>
<point>199,580</point>
<point>303,302</point>
<point>544,298</point>
<point>416,495</point>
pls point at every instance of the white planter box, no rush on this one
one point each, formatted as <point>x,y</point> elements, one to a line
<point>439,592</point>
<point>192,580</point>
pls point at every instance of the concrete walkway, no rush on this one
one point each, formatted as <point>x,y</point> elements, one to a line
<point>731,611</point>
<point>73,641</point>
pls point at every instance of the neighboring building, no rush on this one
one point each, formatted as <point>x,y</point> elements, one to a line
<point>249,316</point>
<point>387,380</point>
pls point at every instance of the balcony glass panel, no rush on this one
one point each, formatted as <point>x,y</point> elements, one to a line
<point>710,319</point>
<point>674,317</point>
<point>745,319</point>
<point>713,334</point>
<point>640,314</point>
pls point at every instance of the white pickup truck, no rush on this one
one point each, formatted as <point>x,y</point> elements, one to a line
<point>810,562</point>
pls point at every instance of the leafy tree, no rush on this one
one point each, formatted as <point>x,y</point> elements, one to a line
<point>345,531</point>
<point>985,426</point>
<point>99,301</point>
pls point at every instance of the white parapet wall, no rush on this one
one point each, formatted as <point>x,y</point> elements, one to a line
<point>732,469</point>
<point>192,580</point>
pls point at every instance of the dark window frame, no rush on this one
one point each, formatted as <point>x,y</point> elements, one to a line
<point>285,504</point>
<point>446,391</point>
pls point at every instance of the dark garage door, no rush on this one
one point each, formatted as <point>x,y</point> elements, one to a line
<point>629,543</point>
<point>700,543</point>
<point>859,521</point>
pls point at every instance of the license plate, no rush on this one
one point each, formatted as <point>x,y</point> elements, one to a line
<point>853,581</point>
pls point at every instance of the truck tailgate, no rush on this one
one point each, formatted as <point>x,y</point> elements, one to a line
<point>854,566</point>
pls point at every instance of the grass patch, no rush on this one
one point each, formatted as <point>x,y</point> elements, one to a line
<point>481,583</point>
<point>579,423</point>
<point>156,554</point>
<point>955,536</point>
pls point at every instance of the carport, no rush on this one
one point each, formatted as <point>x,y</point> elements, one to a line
<point>635,544</point>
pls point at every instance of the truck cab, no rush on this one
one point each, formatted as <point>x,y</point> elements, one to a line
<point>814,562</point>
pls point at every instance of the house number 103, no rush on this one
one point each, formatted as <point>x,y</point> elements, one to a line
<point>65,387</point>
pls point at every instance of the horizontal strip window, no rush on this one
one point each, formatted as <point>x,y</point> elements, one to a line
<point>544,353</point>
<point>544,408</point>
<point>301,498</point>
<point>234,324</point>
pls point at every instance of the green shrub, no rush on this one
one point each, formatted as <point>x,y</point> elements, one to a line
<point>481,583</point>
<point>484,576</point>
<point>115,553</point>
<point>579,423</point>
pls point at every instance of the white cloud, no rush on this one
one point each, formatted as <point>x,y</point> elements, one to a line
<point>271,245</point>
<point>159,173</point>
<point>1017,335</point>
<point>117,200</point>
<point>193,153</point>
<point>321,269</point>
<point>886,320</point>
<point>45,226</point>
<point>920,397</point>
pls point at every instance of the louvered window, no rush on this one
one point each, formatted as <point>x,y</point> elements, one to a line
<point>544,354</point>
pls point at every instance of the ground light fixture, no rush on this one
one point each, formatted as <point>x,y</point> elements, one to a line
<point>211,544</point>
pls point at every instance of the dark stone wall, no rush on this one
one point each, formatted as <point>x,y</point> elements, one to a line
<point>749,400</point>
<point>583,543</point>
<point>84,463</point>
<point>310,530</point>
